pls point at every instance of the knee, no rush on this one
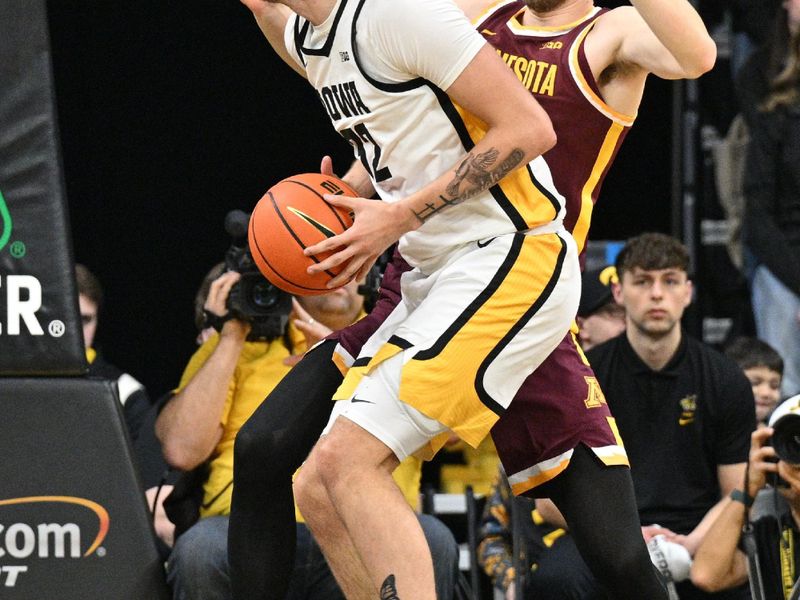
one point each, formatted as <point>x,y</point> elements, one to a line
<point>251,447</point>
<point>199,555</point>
<point>309,490</point>
<point>257,454</point>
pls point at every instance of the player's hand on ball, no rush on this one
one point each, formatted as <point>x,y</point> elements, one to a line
<point>377,226</point>
<point>326,166</point>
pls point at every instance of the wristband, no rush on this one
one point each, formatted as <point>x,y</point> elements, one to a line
<point>740,496</point>
<point>215,321</point>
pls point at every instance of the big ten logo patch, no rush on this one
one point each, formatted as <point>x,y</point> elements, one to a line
<point>594,396</point>
<point>552,46</point>
<point>688,409</point>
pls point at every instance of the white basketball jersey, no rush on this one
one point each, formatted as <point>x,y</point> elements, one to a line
<point>380,67</point>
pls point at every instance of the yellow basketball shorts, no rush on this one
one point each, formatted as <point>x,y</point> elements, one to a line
<point>463,338</point>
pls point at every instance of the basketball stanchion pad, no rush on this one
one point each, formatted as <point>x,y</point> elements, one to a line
<point>74,524</point>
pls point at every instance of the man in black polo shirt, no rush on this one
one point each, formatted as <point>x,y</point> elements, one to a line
<point>685,412</point>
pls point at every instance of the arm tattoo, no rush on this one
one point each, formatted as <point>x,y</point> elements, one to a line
<point>388,589</point>
<point>478,173</point>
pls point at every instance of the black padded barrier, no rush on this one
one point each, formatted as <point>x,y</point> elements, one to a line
<point>74,524</point>
<point>40,332</point>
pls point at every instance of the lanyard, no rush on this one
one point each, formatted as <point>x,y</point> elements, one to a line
<point>786,549</point>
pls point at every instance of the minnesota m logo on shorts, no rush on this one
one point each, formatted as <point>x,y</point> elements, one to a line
<point>595,397</point>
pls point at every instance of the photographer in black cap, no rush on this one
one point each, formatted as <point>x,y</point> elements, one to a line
<point>756,533</point>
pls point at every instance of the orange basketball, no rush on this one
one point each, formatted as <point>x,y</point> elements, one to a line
<point>291,216</point>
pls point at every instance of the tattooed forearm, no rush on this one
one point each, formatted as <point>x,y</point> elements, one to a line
<point>389,589</point>
<point>474,169</point>
<point>478,172</point>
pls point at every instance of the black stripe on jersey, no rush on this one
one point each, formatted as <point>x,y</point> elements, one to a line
<point>482,393</point>
<point>325,49</point>
<point>469,312</point>
<point>396,340</point>
<point>381,85</point>
<point>480,300</point>
<point>473,307</point>
<point>545,192</point>
<point>497,193</point>
<point>299,34</point>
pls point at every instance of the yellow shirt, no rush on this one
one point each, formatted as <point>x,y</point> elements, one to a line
<point>258,371</point>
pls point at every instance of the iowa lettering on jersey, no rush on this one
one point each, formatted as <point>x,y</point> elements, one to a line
<point>536,75</point>
<point>342,100</point>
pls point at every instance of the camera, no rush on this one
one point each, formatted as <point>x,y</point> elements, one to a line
<point>253,299</point>
<point>785,421</point>
<point>370,289</point>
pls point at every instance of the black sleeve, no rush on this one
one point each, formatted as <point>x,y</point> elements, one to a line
<point>736,414</point>
<point>762,235</point>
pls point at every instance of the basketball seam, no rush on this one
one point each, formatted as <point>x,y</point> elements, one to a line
<point>291,231</point>
<point>330,206</point>
<point>272,268</point>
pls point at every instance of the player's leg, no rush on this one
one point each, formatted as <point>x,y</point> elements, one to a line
<point>542,440</point>
<point>473,330</point>
<point>269,449</point>
<point>599,506</point>
<point>365,516</point>
<point>273,444</point>
<point>368,532</point>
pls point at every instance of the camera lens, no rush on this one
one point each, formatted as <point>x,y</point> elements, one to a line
<point>786,438</point>
<point>264,295</point>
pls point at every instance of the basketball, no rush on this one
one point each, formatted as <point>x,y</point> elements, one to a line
<point>290,217</point>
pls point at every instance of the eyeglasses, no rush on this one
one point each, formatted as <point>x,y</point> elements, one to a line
<point>88,319</point>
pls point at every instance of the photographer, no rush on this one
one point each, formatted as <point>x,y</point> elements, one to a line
<point>224,382</point>
<point>720,562</point>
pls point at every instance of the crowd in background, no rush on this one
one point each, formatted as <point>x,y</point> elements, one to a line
<point>690,506</point>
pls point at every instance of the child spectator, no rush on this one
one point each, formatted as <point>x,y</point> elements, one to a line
<point>763,366</point>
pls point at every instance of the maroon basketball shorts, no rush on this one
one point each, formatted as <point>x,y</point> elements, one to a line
<point>559,406</point>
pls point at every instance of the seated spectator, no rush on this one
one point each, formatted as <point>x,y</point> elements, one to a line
<point>763,367</point>
<point>684,412</point>
<point>132,394</point>
<point>224,382</point>
<point>599,316</point>
<point>720,563</point>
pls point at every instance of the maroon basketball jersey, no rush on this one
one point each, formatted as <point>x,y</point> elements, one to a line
<point>551,63</point>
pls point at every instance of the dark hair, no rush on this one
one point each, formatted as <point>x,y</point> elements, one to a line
<point>651,252</point>
<point>202,293</point>
<point>88,285</point>
<point>750,353</point>
<point>784,88</point>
